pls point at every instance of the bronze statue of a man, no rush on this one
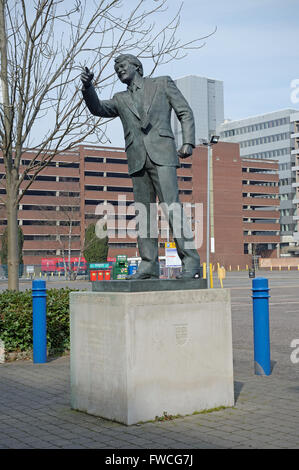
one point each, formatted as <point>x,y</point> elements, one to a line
<point>145,112</point>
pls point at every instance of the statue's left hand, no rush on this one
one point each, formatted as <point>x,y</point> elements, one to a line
<point>185,151</point>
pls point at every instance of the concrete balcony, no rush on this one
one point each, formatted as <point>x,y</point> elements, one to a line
<point>107,181</point>
<point>259,189</point>
<point>256,226</point>
<point>262,239</point>
<point>48,244</point>
<point>260,201</point>
<point>261,214</point>
<point>260,177</point>
<point>57,230</point>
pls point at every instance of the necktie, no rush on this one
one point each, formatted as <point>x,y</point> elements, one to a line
<point>138,99</point>
<point>133,88</point>
<point>137,96</point>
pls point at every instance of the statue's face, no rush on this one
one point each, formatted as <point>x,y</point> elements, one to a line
<point>125,71</point>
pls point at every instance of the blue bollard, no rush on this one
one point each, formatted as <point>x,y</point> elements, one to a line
<point>261,334</point>
<point>39,295</point>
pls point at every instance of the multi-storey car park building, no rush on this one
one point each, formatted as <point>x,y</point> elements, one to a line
<point>269,136</point>
<point>260,212</point>
<point>77,185</point>
<point>245,213</point>
<point>295,184</point>
<point>64,199</point>
<point>205,97</point>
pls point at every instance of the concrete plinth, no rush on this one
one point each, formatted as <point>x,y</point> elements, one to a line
<point>148,285</point>
<point>136,355</point>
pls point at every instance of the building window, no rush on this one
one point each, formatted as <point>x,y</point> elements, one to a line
<point>122,161</point>
<point>68,179</point>
<point>93,173</point>
<point>39,222</point>
<point>67,165</point>
<point>69,194</point>
<point>94,188</point>
<point>94,159</point>
<point>33,192</point>
<point>117,175</point>
<point>117,189</point>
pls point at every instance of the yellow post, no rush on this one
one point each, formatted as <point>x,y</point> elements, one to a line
<point>211,277</point>
<point>289,267</point>
<point>40,274</point>
<point>246,267</point>
<point>279,268</point>
<point>298,267</point>
<point>204,270</point>
<point>230,267</point>
<point>270,268</point>
<point>238,268</point>
<point>221,275</point>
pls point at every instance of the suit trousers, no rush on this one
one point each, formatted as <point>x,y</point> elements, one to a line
<point>161,181</point>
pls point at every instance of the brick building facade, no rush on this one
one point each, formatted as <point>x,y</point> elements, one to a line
<point>66,195</point>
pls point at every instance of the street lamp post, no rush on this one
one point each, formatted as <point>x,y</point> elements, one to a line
<point>208,218</point>
<point>214,140</point>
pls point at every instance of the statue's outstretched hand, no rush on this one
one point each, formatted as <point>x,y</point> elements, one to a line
<point>185,151</point>
<point>87,77</point>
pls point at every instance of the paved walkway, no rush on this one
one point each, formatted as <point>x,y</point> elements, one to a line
<point>35,411</point>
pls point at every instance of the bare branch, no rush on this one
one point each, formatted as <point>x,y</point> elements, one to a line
<point>43,46</point>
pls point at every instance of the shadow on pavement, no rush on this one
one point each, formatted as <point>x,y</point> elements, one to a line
<point>237,388</point>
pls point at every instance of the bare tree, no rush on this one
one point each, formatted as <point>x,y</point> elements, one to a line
<point>43,46</point>
<point>65,233</point>
<point>68,237</point>
<point>65,236</point>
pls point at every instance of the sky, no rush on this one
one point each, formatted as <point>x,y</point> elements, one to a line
<point>255,52</point>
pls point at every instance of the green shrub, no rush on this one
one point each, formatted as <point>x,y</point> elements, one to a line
<point>16,320</point>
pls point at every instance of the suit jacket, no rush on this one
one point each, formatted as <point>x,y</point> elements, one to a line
<point>150,132</point>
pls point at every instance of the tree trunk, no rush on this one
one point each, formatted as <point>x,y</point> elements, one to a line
<point>13,250</point>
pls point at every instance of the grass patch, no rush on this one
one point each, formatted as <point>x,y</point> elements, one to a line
<point>210,410</point>
<point>169,417</point>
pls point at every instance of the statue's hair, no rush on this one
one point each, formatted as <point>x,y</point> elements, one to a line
<point>132,59</point>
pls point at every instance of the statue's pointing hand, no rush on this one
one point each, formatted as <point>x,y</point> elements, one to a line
<point>87,77</point>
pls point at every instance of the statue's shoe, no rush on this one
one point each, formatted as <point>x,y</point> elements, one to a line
<point>194,274</point>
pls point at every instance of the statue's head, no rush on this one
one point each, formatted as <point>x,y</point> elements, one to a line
<point>127,64</point>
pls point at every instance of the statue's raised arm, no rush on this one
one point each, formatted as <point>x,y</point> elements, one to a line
<point>97,107</point>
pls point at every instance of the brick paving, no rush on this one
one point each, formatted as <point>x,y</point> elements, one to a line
<point>35,411</point>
